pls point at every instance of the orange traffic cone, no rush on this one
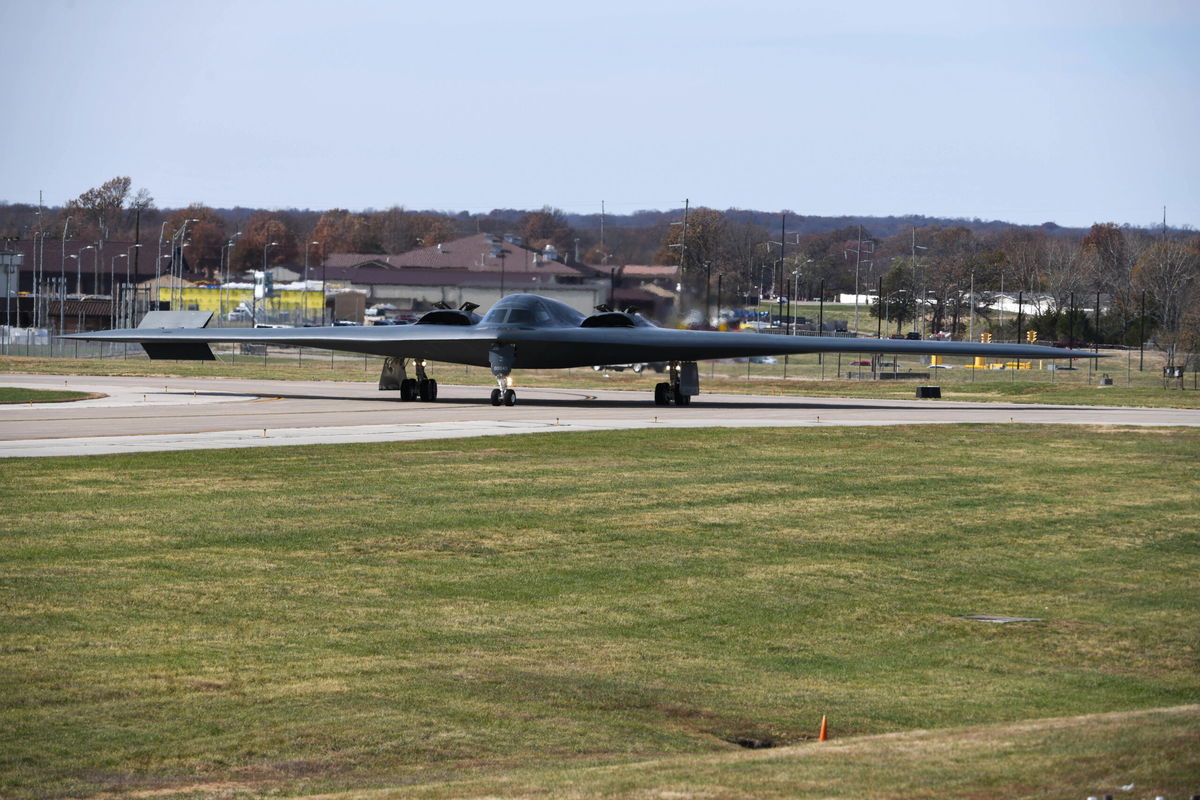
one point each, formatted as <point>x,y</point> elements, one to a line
<point>824,730</point>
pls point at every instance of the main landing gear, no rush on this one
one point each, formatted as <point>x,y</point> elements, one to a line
<point>394,377</point>
<point>684,384</point>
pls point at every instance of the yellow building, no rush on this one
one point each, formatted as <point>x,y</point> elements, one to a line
<point>291,306</point>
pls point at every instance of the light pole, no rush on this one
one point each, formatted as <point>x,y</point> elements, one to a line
<point>127,312</point>
<point>79,269</point>
<point>707,292</point>
<point>915,248</point>
<point>62,277</point>
<point>182,234</point>
<point>37,303</point>
<point>78,260</point>
<point>226,257</point>
<point>304,292</point>
<point>158,283</point>
<point>254,306</point>
<point>112,290</point>
<point>324,295</point>
<point>858,254</point>
<point>158,262</point>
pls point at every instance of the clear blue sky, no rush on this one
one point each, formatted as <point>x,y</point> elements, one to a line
<point>1025,110</point>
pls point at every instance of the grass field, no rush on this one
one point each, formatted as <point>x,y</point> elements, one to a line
<point>608,615</point>
<point>9,394</point>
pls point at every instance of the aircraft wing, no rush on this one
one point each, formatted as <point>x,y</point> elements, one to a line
<point>454,343</point>
<point>549,347</point>
<point>576,347</point>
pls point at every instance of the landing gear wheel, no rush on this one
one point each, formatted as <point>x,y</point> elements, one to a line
<point>496,397</point>
<point>662,395</point>
<point>408,390</point>
<point>427,390</point>
<point>510,397</point>
<point>680,398</point>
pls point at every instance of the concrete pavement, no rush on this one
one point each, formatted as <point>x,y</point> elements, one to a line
<point>143,414</point>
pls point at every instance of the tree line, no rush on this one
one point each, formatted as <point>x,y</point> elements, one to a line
<point>1146,278</point>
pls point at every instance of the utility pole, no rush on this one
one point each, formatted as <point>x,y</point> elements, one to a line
<point>682,247</point>
<point>858,262</point>
<point>62,278</point>
<point>782,246</point>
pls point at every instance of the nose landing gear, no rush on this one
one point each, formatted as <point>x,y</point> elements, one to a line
<point>506,397</point>
<point>501,357</point>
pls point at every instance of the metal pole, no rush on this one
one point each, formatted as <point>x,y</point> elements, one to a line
<point>304,290</point>
<point>1020,314</point>
<point>971,318</point>
<point>112,293</point>
<point>1142,334</point>
<point>1071,322</point>
<point>821,310</point>
<point>62,278</point>
<point>782,246</point>
<point>158,263</point>
<point>707,292</point>
<point>879,299</point>
<point>37,236</point>
<point>719,277</point>
<point>857,264</point>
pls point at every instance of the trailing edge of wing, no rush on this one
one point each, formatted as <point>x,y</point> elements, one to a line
<point>179,351</point>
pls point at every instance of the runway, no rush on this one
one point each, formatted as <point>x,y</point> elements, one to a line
<point>141,414</point>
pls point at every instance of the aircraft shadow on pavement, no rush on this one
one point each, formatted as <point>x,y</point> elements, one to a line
<point>537,398</point>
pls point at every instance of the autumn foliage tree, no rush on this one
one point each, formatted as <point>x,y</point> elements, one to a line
<point>340,231</point>
<point>205,236</point>
<point>548,226</point>
<point>265,239</point>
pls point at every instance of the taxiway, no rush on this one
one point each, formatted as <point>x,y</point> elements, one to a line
<point>139,414</point>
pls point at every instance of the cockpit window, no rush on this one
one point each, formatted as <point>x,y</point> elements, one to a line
<point>530,311</point>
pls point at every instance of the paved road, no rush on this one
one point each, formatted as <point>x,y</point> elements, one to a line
<point>143,414</point>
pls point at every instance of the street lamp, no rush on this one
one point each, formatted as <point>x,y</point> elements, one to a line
<point>226,257</point>
<point>324,290</point>
<point>254,303</point>
<point>915,248</point>
<point>707,291</point>
<point>127,312</point>
<point>37,303</point>
<point>62,277</point>
<point>181,234</point>
<point>112,289</point>
<point>304,292</point>
<point>158,263</point>
<point>79,269</point>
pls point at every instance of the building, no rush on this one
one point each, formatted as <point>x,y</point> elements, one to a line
<point>478,269</point>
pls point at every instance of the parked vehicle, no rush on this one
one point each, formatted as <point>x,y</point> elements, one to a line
<point>657,366</point>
